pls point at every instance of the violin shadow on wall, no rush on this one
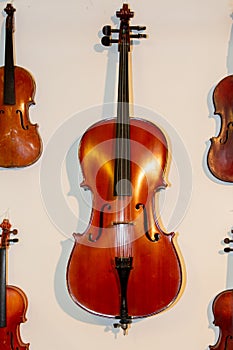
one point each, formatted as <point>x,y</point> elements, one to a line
<point>83,200</point>
<point>110,76</point>
<point>71,130</point>
<point>228,286</point>
<point>217,117</point>
<point>60,285</point>
<point>109,109</point>
<point>64,299</point>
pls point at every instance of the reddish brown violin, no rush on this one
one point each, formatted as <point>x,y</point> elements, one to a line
<point>13,301</point>
<point>223,314</point>
<point>123,266</point>
<point>220,155</point>
<point>20,143</point>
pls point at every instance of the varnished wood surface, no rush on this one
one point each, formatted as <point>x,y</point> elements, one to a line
<point>220,155</point>
<point>155,280</point>
<point>20,142</point>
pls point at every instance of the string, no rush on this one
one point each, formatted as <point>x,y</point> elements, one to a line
<point>123,228</point>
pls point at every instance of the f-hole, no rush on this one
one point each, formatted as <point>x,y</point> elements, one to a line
<point>24,127</point>
<point>229,125</point>
<point>10,335</point>
<point>108,206</point>
<point>228,338</point>
<point>155,235</point>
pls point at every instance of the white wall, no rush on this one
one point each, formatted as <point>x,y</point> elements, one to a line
<point>188,51</point>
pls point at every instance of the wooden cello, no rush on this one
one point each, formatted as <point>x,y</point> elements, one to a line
<point>123,266</point>
<point>13,301</point>
<point>220,154</point>
<point>20,143</point>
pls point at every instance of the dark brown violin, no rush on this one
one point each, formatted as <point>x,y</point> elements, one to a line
<point>123,266</point>
<point>223,314</point>
<point>220,155</point>
<point>20,143</point>
<point>13,301</point>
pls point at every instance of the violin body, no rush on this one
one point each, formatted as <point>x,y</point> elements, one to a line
<point>13,301</point>
<point>220,155</point>
<point>16,302</point>
<point>123,266</point>
<point>223,318</point>
<point>223,313</point>
<point>155,278</point>
<point>20,143</point>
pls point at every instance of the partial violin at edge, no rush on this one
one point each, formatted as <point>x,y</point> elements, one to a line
<point>223,314</point>
<point>13,301</point>
<point>20,143</point>
<point>220,154</point>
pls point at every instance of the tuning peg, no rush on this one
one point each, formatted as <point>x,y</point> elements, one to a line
<point>107,30</point>
<point>138,28</point>
<point>228,250</point>
<point>14,232</point>
<point>107,41</point>
<point>13,240</point>
<point>228,240</point>
<point>138,36</point>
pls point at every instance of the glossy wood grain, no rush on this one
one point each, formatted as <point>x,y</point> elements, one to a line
<point>10,338</point>
<point>223,318</point>
<point>20,143</point>
<point>155,279</point>
<point>220,155</point>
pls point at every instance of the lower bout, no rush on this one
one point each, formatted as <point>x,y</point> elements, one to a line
<point>153,282</point>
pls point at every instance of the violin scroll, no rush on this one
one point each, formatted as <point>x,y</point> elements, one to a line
<point>13,301</point>
<point>10,17</point>
<point>5,239</point>
<point>124,14</point>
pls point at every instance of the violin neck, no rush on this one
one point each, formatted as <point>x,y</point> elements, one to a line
<point>123,85</point>
<point>9,74</point>
<point>2,287</point>
<point>122,176</point>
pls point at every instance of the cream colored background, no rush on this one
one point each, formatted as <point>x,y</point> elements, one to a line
<point>188,51</point>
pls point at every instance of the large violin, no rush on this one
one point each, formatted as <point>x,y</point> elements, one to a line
<point>220,154</point>
<point>20,143</point>
<point>13,301</point>
<point>123,266</point>
<point>223,314</point>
